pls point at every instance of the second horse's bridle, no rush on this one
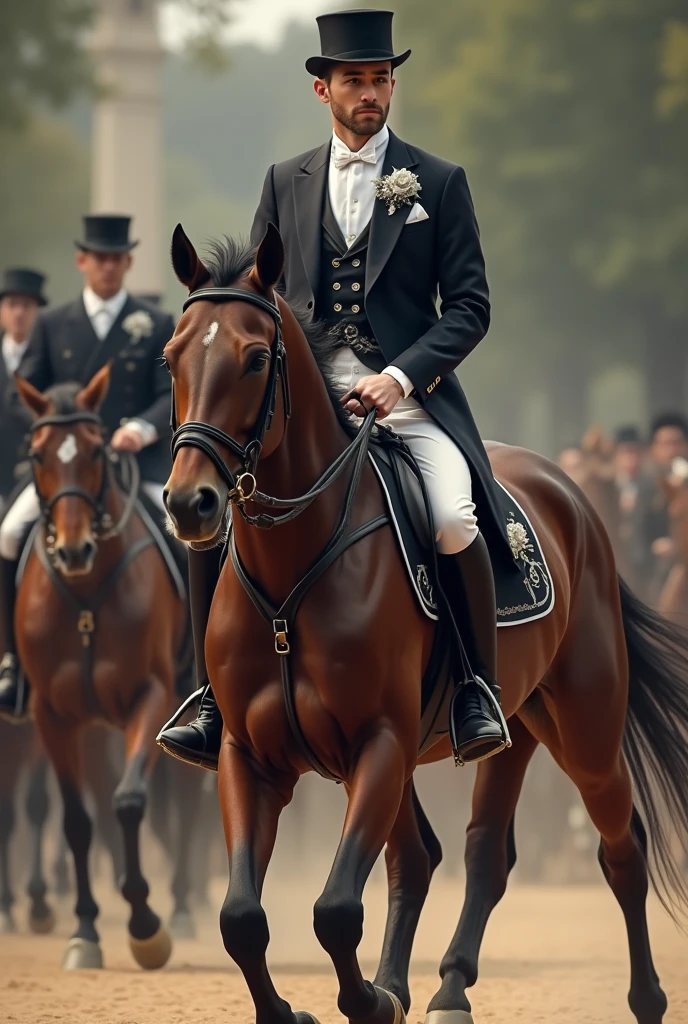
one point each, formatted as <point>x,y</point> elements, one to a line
<point>103,526</point>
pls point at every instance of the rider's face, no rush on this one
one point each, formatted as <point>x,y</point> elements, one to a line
<point>359,96</point>
<point>104,272</point>
<point>17,315</point>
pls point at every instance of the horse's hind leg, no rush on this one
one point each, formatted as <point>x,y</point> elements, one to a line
<point>13,740</point>
<point>41,917</point>
<point>187,785</point>
<point>490,855</point>
<point>149,941</point>
<point>61,741</point>
<point>412,854</point>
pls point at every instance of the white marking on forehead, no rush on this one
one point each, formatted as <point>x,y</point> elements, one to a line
<point>68,449</point>
<point>210,336</point>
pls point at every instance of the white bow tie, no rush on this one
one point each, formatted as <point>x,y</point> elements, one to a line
<point>343,158</point>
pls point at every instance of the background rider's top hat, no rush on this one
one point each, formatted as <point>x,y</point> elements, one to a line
<point>105,232</point>
<point>348,37</point>
<point>20,281</point>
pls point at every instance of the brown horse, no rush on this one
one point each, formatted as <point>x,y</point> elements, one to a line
<point>99,623</point>
<point>673,601</point>
<point>590,680</point>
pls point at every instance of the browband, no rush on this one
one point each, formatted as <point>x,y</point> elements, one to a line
<point>66,420</point>
<point>226,294</point>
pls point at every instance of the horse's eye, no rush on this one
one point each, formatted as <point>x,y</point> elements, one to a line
<point>97,452</point>
<point>259,362</point>
<point>36,456</point>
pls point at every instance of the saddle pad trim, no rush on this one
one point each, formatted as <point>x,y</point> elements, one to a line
<point>550,603</point>
<point>390,508</point>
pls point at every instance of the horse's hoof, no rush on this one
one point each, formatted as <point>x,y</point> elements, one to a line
<point>399,1015</point>
<point>7,923</point>
<point>153,953</point>
<point>182,925</point>
<point>42,923</point>
<point>81,954</point>
<point>449,1017</point>
<point>303,1017</point>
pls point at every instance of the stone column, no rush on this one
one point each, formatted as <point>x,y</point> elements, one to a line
<point>127,174</point>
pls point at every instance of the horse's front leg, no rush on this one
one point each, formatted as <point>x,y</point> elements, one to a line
<point>375,794</point>
<point>149,941</point>
<point>41,917</point>
<point>251,806</point>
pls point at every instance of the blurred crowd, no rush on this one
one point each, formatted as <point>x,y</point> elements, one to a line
<point>636,481</point>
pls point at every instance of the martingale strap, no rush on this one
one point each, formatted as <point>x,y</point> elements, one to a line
<point>86,612</point>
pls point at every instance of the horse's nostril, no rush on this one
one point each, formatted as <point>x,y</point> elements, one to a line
<point>88,550</point>
<point>208,502</point>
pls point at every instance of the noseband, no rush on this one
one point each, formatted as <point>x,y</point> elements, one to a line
<point>196,434</point>
<point>102,526</point>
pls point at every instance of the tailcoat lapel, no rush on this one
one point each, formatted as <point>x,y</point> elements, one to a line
<point>309,197</point>
<point>385,229</point>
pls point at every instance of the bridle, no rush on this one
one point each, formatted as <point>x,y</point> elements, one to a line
<point>243,487</point>
<point>197,434</point>
<point>103,527</point>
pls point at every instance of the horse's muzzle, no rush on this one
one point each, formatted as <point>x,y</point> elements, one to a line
<point>196,513</point>
<point>75,559</point>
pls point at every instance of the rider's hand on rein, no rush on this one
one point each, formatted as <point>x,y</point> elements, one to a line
<point>380,391</point>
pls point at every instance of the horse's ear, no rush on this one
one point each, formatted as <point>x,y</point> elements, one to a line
<point>188,266</point>
<point>93,395</point>
<point>33,399</point>
<point>269,260</point>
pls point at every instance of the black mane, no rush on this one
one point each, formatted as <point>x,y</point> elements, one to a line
<point>230,260</point>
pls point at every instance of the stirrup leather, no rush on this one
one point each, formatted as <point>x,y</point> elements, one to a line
<point>499,715</point>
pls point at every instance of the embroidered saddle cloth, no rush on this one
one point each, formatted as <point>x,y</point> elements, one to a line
<point>525,590</point>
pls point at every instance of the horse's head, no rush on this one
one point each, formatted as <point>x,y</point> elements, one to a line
<point>224,359</point>
<point>69,467</point>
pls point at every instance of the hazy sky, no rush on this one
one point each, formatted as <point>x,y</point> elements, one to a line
<point>257,21</point>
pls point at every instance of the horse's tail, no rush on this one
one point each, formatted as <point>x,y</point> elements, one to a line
<point>656,739</point>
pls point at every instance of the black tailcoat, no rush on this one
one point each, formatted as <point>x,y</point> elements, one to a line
<point>64,347</point>
<point>13,446</point>
<point>407,266</point>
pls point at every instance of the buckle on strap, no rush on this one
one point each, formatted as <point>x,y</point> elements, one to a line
<point>281,630</point>
<point>86,625</point>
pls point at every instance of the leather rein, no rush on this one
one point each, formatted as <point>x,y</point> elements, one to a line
<point>103,529</point>
<point>243,487</point>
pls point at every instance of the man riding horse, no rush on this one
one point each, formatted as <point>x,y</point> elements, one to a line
<point>373,278</point>
<point>70,343</point>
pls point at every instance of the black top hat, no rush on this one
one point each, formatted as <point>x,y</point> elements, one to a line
<point>19,281</point>
<point>350,37</point>
<point>106,232</point>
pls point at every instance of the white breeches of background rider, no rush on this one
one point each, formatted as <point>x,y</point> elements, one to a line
<point>25,511</point>
<point>443,465</point>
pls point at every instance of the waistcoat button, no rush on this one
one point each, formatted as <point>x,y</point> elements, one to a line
<point>355,263</point>
<point>336,286</point>
<point>355,309</point>
<point>337,307</point>
<point>356,287</point>
<point>335,263</point>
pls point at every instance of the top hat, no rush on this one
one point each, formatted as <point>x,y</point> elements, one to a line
<point>106,232</point>
<point>354,37</point>
<point>19,281</point>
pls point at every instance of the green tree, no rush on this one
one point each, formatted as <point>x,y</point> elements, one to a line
<point>571,121</point>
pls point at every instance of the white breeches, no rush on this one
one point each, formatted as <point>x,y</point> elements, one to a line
<point>25,511</point>
<point>444,468</point>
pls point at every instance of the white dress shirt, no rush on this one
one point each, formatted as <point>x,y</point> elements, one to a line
<point>352,197</point>
<point>102,313</point>
<point>13,353</point>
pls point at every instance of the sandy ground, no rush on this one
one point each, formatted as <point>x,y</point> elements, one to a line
<point>551,955</point>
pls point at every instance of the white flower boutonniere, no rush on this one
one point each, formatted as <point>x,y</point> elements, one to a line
<point>139,325</point>
<point>400,188</point>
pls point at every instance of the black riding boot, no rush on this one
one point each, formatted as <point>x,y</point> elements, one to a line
<point>14,689</point>
<point>468,583</point>
<point>198,742</point>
